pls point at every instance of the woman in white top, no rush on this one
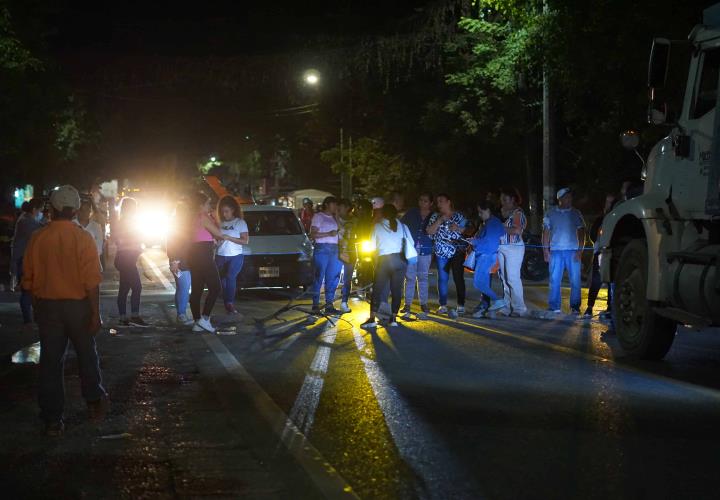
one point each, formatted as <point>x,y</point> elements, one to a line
<point>388,235</point>
<point>229,255</point>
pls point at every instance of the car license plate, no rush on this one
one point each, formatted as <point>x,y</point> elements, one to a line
<point>269,272</point>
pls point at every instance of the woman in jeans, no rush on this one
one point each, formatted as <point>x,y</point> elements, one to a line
<point>177,249</point>
<point>128,249</point>
<point>204,232</point>
<point>324,232</point>
<point>229,257</point>
<point>388,235</point>
<point>486,244</point>
<point>445,228</point>
<point>512,252</point>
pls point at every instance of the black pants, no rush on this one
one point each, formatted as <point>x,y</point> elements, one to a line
<point>596,284</point>
<point>126,264</point>
<point>204,273</point>
<point>389,269</point>
<point>60,322</point>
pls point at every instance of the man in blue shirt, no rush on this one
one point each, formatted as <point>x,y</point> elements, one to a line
<point>416,219</point>
<point>563,241</point>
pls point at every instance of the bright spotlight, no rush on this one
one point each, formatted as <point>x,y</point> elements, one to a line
<point>311,77</point>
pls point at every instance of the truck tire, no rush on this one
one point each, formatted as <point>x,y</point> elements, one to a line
<point>642,333</point>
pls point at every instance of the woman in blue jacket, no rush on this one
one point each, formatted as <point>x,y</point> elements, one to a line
<point>486,244</point>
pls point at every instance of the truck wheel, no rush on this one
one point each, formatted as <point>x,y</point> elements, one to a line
<point>642,333</point>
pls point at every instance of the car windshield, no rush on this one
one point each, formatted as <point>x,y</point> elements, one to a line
<point>272,223</point>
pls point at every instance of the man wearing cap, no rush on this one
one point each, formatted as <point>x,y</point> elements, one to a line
<point>61,269</point>
<point>563,240</point>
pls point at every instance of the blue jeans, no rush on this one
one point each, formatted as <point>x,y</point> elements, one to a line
<point>559,261</point>
<point>60,321</point>
<point>229,269</point>
<point>483,264</point>
<point>182,292</point>
<point>445,266</point>
<point>348,268</point>
<point>327,270</point>
<point>25,296</point>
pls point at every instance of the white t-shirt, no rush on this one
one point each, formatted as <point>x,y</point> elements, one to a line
<point>97,232</point>
<point>232,228</point>
<point>388,241</point>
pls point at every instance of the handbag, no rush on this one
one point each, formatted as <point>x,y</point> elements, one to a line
<point>408,247</point>
<point>470,260</point>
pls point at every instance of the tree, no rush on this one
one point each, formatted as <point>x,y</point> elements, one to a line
<point>375,170</point>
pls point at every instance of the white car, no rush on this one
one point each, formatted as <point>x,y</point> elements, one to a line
<point>279,253</point>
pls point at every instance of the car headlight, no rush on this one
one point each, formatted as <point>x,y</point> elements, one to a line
<point>153,224</point>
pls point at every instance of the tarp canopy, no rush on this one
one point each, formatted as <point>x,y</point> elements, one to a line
<point>315,195</point>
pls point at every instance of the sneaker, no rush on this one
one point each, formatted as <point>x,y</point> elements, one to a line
<point>460,310</point>
<point>137,321</point>
<point>442,310</point>
<point>606,315</point>
<point>203,325</point>
<point>370,323</point>
<point>331,310</point>
<point>344,307</point>
<point>184,320</point>
<point>123,322</point>
<point>54,429</point>
<point>452,314</point>
<point>407,315</point>
<point>497,305</point>
<point>98,409</point>
<point>575,312</point>
<point>480,313</point>
<point>424,311</point>
<point>230,308</point>
<point>588,313</point>
<point>393,322</point>
<point>316,311</point>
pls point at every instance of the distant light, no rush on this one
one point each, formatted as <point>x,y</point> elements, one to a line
<point>311,77</point>
<point>213,159</point>
<point>56,188</point>
<point>247,137</point>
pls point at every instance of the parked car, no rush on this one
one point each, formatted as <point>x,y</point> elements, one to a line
<point>279,253</point>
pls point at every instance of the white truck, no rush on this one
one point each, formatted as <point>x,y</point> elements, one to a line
<point>661,250</point>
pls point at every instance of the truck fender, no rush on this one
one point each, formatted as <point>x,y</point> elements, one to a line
<point>630,220</point>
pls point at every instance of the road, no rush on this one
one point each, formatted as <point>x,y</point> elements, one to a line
<point>504,408</point>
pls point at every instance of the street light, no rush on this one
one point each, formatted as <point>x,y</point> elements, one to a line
<point>312,77</point>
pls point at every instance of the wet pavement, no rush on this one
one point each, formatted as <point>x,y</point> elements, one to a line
<point>286,406</point>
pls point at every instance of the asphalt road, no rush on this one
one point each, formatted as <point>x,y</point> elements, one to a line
<point>504,408</point>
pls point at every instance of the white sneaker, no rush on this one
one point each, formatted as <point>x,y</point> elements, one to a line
<point>344,307</point>
<point>442,310</point>
<point>203,325</point>
<point>184,320</point>
<point>461,309</point>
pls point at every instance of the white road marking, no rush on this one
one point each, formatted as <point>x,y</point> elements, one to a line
<point>303,411</point>
<point>156,270</point>
<point>436,467</point>
<point>324,475</point>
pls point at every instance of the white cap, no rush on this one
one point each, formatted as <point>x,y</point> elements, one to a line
<point>65,196</point>
<point>377,202</point>
<point>563,192</point>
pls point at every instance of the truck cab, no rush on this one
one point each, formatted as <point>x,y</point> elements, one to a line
<point>661,249</point>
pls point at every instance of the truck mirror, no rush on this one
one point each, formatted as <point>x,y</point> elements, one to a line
<point>659,63</point>
<point>630,139</point>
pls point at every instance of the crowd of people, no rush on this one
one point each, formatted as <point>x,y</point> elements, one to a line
<point>488,242</point>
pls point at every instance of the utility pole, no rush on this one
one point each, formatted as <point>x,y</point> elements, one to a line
<point>548,156</point>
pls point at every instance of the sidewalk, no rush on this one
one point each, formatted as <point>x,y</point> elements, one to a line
<point>169,433</point>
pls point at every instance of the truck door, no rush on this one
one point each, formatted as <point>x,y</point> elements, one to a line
<point>690,182</point>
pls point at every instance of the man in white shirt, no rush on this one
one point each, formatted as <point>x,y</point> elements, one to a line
<point>84,220</point>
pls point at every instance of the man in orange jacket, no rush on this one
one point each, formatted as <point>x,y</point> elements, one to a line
<point>61,270</point>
